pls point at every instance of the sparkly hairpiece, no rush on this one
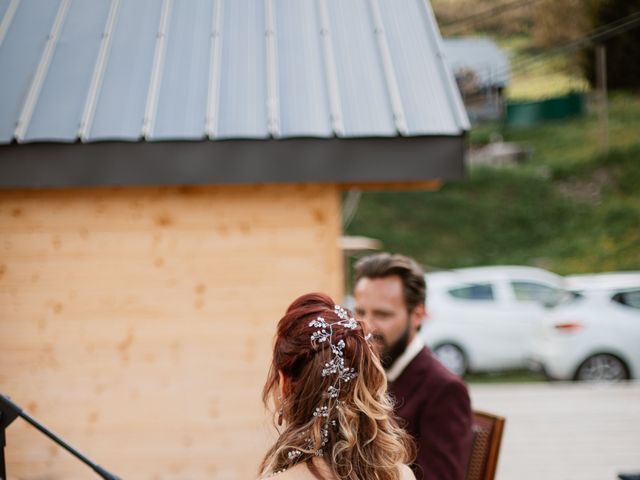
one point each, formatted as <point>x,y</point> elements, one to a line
<point>335,367</point>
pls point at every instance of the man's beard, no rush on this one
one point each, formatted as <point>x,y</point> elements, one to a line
<point>390,353</point>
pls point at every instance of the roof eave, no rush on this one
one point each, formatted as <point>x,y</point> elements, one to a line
<point>299,160</point>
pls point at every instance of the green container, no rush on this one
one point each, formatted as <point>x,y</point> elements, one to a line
<point>525,114</point>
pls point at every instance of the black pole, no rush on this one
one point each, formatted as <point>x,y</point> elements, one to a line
<point>8,413</point>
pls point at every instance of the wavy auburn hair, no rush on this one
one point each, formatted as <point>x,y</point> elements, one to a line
<point>365,441</point>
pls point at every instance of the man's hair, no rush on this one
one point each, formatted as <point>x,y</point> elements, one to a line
<point>411,274</point>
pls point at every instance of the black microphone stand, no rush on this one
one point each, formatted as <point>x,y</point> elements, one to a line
<point>9,411</point>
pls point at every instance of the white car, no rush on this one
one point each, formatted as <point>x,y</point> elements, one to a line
<point>484,318</point>
<point>594,336</point>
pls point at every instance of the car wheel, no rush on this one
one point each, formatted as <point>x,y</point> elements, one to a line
<point>602,368</point>
<point>452,357</point>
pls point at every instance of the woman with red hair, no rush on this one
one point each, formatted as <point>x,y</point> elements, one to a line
<point>329,392</point>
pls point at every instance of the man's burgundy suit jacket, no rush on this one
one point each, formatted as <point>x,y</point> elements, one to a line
<point>433,405</point>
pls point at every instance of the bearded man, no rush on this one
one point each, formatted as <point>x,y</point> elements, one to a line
<point>431,402</point>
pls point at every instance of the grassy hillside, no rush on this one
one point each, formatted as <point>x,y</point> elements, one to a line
<point>568,209</point>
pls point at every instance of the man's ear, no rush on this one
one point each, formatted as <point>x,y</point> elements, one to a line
<point>417,316</point>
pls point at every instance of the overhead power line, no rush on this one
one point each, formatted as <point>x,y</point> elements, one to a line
<point>601,33</point>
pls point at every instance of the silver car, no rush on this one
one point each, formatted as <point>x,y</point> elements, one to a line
<point>593,335</point>
<point>484,318</point>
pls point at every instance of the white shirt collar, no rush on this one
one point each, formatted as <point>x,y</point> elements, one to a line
<point>403,360</point>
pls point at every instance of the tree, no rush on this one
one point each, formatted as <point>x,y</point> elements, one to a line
<point>623,55</point>
<point>557,23</point>
<point>497,17</point>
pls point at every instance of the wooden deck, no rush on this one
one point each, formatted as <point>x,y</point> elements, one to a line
<point>565,431</point>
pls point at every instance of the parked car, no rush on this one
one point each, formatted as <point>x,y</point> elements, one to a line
<point>483,318</point>
<point>595,334</point>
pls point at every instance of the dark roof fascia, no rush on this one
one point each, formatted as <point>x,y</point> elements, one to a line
<point>299,160</point>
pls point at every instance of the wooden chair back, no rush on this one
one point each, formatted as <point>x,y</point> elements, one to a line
<point>487,437</point>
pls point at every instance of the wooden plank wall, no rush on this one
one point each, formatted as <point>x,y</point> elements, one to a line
<point>137,323</point>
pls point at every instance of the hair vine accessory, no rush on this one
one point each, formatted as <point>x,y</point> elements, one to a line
<point>335,367</point>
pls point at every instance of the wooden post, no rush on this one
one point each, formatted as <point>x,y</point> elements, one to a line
<point>603,114</point>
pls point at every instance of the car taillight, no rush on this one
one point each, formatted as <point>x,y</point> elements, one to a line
<point>569,327</point>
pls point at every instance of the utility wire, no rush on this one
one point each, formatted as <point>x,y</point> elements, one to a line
<point>611,29</point>
<point>603,32</point>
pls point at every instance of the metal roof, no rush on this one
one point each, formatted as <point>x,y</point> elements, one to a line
<point>147,92</point>
<point>482,56</point>
<point>187,70</point>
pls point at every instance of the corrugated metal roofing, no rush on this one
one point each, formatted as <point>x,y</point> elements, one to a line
<point>187,70</point>
<point>482,56</point>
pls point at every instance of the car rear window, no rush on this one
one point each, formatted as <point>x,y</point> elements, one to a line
<point>630,298</point>
<point>477,291</point>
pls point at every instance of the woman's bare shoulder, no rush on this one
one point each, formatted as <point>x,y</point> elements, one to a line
<point>301,472</point>
<point>406,473</point>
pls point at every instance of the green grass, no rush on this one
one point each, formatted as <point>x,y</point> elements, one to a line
<point>559,143</point>
<point>567,142</point>
<point>569,209</point>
